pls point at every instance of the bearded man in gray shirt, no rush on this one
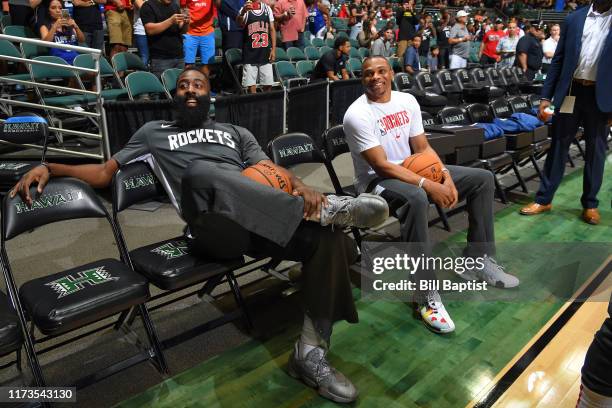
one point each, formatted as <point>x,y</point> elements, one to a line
<point>199,163</point>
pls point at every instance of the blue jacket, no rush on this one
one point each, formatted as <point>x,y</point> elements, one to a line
<point>565,61</point>
<point>227,14</point>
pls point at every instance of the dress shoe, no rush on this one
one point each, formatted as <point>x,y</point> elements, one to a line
<point>591,216</point>
<point>535,208</point>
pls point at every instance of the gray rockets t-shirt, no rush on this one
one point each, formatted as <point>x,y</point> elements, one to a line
<point>461,49</point>
<point>169,150</point>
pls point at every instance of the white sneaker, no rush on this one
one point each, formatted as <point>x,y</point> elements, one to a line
<point>492,273</point>
<point>434,314</point>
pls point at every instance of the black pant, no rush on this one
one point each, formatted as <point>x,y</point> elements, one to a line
<point>565,126</point>
<point>486,60</point>
<point>325,253</point>
<point>597,369</point>
<point>443,58</point>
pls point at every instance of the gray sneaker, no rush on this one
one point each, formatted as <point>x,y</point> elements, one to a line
<point>492,273</point>
<point>364,211</point>
<point>316,372</point>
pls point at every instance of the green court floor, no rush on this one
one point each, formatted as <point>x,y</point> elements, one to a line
<point>389,355</point>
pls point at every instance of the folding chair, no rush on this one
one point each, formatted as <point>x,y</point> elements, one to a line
<point>168,264</point>
<point>308,153</point>
<point>324,49</point>
<point>354,67</point>
<point>233,58</point>
<point>281,54</point>
<point>27,50</point>
<point>143,84</point>
<point>295,54</point>
<point>288,75</point>
<point>127,62</point>
<point>312,53</point>
<point>447,87</point>
<point>169,78</point>
<point>106,72</point>
<point>354,53</point>
<point>364,53</point>
<point>44,73</point>
<point>24,128</point>
<point>62,302</point>
<point>304,69</point>
<point>317,42</point>
<point>493,153</point>
<point>479,78</point>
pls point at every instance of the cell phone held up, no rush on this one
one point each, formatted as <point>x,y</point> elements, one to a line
<point>65,14</point>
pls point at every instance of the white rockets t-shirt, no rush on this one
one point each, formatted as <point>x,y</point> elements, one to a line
<point>390,125</point>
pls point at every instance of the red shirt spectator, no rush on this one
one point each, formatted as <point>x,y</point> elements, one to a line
<point>490,41</point>
<point>201,16</point>
<point>343,13</point>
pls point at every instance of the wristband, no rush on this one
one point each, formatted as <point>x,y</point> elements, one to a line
<point>46,165</point>
<point>444,169</point>
<point>421,182</point>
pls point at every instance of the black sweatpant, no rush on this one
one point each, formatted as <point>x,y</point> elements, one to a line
<point>228,215</point>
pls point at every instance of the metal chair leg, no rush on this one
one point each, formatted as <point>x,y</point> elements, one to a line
<point>499,189</point>
<point>231,279</point>
<point>536,166</point>
<point>18,359</point>
<point>520,178</point>
<point>121,319</point>
<point>570,161</point>
<point>153,339</point>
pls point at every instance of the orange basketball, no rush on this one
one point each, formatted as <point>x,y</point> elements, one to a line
<point>425,165</point>
<point>269,175</point>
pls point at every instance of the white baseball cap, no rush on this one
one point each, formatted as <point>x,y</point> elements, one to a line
<point>462,13</point>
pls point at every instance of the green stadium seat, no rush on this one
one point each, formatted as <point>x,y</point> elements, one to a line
<point>126,61</point>
<point>140,83</point>
<point>364,52</point>
<point>325,49</point>
<point>354,67</point>
<point>354,53</point>
<point>281,54</point>
<point>287,73</point>
<point>106,72</point>
<point>295,54</point>
<point>27,50</point>
<point>312,53</point>
<point>7,48</point>
<point>317,42</point>
<point>304,68</point>
<point>45,73</point>
<point>329,42</point>
<point>169,78</point>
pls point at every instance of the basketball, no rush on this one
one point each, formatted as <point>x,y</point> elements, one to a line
<point>269,175</point>
<point>425,165</point>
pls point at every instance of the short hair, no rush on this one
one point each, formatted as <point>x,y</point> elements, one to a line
<point>373,57</point>
<point>417,35</point>
<point>340,41</point>
<point>433,47</point>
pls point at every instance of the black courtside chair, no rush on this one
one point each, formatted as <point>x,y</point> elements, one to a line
<point>23,128</point>
<point>60,303</point>
<point>169,264</point>
<point>334,145</point>
<point>292,149</point>
<point>493,152</point>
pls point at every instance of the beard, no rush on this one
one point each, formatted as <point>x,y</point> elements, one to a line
<point>187,117</point>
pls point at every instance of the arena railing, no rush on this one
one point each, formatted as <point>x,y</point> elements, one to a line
<point>55,124</point>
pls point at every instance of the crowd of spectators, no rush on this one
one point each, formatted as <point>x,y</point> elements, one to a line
<point>173,33</point>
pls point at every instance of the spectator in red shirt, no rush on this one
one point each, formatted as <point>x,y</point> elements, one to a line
<point>488,49</point>
<point>200,36</point>
<point>387,12</point>
<point>119,25</point>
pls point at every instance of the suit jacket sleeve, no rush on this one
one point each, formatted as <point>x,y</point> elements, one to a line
<point>556,65</point>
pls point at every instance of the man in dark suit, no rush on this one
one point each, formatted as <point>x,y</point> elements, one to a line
<point>580,69</point>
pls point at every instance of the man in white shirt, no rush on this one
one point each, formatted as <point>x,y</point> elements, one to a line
<point>382,129</point>
<point>506,47</point>
<point>549,46</point>
<point>579,85</point>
